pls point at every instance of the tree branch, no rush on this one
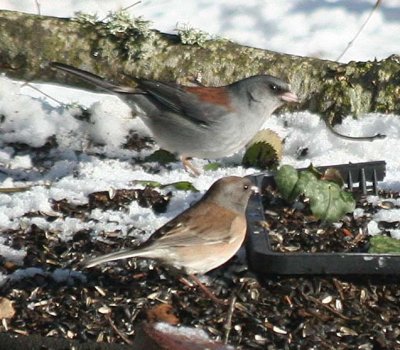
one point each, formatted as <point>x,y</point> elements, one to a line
<point>29,42</point>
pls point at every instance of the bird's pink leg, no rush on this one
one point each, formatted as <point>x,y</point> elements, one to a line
<point>188,166</point>
<point>207,292</point>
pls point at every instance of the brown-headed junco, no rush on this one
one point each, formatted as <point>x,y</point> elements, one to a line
<point>200,122</point>
<point>202,237</point>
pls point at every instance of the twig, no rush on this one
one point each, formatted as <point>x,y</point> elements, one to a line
<point>130,6</point>
<point>38,7</point>
<point>327,307</point>
<point>206,291</point>
<point>14,189</point>
<point>43,93</point>
<point>339,287</point>
<point>122,335</point>
<point>122,10</point>
<point>228,322</point>
<point>378,2</point>
<point>353,138</point>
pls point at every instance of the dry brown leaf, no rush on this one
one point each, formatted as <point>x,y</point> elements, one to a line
<point>6,308</point>
<point>162,313</point>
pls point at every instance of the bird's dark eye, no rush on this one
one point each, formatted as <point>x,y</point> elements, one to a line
<point>273,87</point>
<point>245,187</point>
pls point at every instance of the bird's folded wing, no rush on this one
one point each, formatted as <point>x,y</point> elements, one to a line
<point>187,102</point>
<point>206,226</point>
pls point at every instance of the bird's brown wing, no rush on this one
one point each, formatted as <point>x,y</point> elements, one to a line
<point>191,103</point>
<point>203,224</point>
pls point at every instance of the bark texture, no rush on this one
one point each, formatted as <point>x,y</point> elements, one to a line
<point>29,42</point>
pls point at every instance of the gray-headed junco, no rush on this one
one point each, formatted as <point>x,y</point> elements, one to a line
<point>202,237</point>
<point>201,122</point>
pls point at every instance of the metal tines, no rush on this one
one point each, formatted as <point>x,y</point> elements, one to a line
<point>366,175</point>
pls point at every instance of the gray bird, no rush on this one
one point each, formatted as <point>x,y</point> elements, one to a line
<point>200,122</point>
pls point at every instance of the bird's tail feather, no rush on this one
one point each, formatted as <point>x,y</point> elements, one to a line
<point>122,254</point>
<point>93,79</point>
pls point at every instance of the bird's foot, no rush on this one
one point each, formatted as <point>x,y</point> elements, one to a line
<point>207,292</point>
<point>189,167</point>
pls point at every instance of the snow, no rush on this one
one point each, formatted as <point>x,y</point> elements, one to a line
<point>183,332</point>
<point>89,156</point>
<point>373,228</point>
<point>58,275</point>
<point>181,335</point>
<point>100,131</point>
<point>390,215</point>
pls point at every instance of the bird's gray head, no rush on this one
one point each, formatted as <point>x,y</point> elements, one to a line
<point>232,192</point>
<point>265,92</point>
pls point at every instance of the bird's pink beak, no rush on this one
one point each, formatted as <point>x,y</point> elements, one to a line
<point>289,97</point>
<point>255,189</point>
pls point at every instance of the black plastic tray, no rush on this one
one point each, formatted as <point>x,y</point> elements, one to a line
<point>263,259</point>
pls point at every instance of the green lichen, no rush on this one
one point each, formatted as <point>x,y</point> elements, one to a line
<point>85,18</point>
<point>122,22</point>
<point>192,36</point>
<point>133,35</point>
<point>387,97</point>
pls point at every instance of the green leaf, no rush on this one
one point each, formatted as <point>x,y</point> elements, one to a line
<point>328,201</point>
<point>264,151</point>
<point>211,166</point>
<point>182,186</point>
<point>260,155</point>
<point>383,244</point>
<point>152,184</point>
<point>161,156</point>
<point>305,184</point>
<point>313,170</point>
<point>286,179</point>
